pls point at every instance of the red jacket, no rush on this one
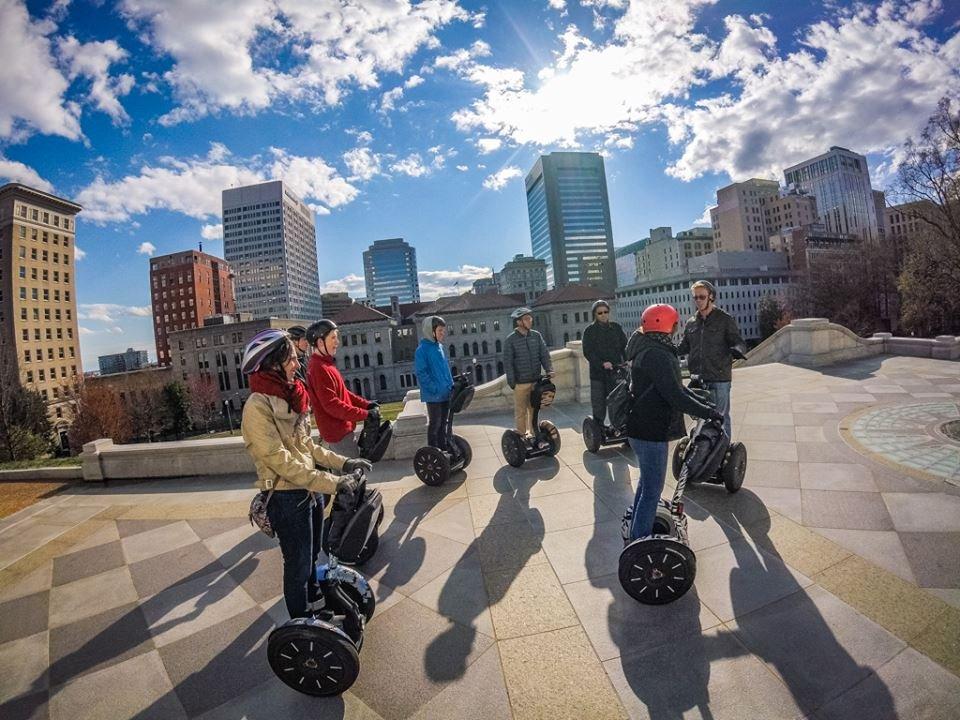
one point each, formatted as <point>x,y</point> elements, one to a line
<point>335,408</point>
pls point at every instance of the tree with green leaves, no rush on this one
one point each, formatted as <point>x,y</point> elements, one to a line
<point>176,400</point>
<point>25,430</point>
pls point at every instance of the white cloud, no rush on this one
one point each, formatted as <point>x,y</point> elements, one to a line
<point>193,186</point>
<point>353,284</point>
<point>31,86</point>
<point>388,101</point>
<point>18,172</point>
<point>362,162</point>
<point>435,283</point>
<point>413,81</point>
<point>489,145</point>
<point>85,330</point>
<point>333,45</point>
<point>147,248</point>
<point>463,168</point>
<point>212,232</point>
<point>78,254</point>
<point>411,165</point>
<point>704,218</point>
<point>557,4</point>
<point>463,57</point>
<point>109,313</point>
<point>499,179</point>
<point>92,60</point>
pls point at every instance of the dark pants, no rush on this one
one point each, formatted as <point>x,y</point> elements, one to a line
<point>599,389</point>
<point>438,425</point>
<point>298,522</point>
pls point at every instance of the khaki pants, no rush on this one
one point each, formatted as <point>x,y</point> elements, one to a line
<point>522,412</point>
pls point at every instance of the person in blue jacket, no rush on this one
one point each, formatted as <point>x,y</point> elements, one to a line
<point>436,381</point>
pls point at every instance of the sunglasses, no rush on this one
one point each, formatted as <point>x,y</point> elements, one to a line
<point>603,312</point>
<point>700,297</point>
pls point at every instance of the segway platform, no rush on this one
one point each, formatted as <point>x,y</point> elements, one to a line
<point>517,449</point>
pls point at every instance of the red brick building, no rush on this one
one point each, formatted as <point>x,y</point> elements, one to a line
<point>185,288</point>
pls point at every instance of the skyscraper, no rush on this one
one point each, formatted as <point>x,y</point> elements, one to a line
<point>269,239</point>
<point>737,220</point>
<point>390,269</point>
<point>185,288</point>
<point>569,213</point>
<point>38,301</point>
<point>840,181</point>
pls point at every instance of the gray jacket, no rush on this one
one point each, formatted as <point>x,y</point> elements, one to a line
<point>523,356</point>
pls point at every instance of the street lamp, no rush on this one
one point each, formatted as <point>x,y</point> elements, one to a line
<point>226,405</point>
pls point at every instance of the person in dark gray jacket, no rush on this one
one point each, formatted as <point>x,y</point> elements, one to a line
<point>603,345</point>
<point>524,353</point>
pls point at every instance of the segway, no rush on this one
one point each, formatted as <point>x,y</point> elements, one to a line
<point>319,655</point>
<point>434,466</point>
<point>660,568</point>
<point>352,531</point>
<point>375,437</point>
<point>518,448</point>
<point>733,465</point>
<point>597,435</point>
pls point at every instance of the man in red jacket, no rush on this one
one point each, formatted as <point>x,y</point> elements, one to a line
<point>335,409</point>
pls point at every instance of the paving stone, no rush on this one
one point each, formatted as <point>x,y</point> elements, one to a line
<point>147,693</point>
<point>801,548</point>
<point>909,686</point>
<point>564,481</point>
<point>36,580</point>
<point>218,663</point>
<point>881,547</point>
<point>769,450</point>
<point>260,575</point>
<point>951,596</point>
<point>106,532</point>
<point>741,508</point>
<point>510,546</point>
<point>568,510</point>
<point>24,616</point>
<point>28,707</point>
<point>209,527</point>
<point>931,512</point>
<point>783,501</point>
<point>704,529</point>
<point>272,699</point>
<point>410,654</point>
<point>813,623</point>
<point>455,523</point>
<point>809,435</point>
<point>934,557</point>
<point>154,542</point>
<point>700,676</point>
<point>234,546</point>
<point>479,695</point>
<point>511,595</point>
<point>97,642</point>
<point>749,434</point>
<point>556,675</point>
<point>496,510</point>
<point>78,565</point>
<point>940,640</point>
<point>771,473</point>
<point>91,595</point>
<point>24,662</point>
<point>154,574</point>
<point>408,558</point>
<point>846,510</point>
<point>825,475</point>
<point>128,528</point>
<point>814,407</point>
<point>459,594</point>
<point>582,552</point>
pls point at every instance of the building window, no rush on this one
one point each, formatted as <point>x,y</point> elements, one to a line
<point>498,346</point>
<point>453,351</point>
<point>379,357</point>
<point>564,319</point>
<point>376,339</point>
<point>383,380</point>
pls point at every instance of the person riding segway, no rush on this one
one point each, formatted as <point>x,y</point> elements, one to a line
<point>525,353</point>
<point>603,345</point>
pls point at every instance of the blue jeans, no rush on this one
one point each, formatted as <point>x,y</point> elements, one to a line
<point>652,459</point>
<point>721,398</point>
<point>298,521</point>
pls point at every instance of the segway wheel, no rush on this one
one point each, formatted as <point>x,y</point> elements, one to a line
<point>549,430</point>
<point>432,466</point>
<point>678,452</point>
<point>466,452</point>
<point>370,549</point>
<point>657,571</point>
<point>513,447</point>
<point>313,657</point>
<point>734,467</point>
<point>592,434</point>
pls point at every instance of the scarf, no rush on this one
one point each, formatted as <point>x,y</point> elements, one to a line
<point>270,383</point>
<point>664,339</point>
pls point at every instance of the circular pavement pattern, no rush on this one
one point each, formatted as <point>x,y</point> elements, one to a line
<point>911,437</point>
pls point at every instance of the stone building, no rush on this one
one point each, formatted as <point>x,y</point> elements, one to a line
<point>562,314</point>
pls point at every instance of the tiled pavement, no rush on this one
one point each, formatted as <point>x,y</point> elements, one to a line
<point>829,587</point>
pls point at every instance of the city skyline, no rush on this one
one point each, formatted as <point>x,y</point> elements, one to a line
<point>117,107</point>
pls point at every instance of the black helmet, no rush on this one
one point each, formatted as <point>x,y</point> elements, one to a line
<point>297,332</point>
<point>430,325</point>
<point>319,330</point>
<point>519,313</point>
<point>598,304</point>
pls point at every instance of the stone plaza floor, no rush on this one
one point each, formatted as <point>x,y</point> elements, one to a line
<point>828,587</point>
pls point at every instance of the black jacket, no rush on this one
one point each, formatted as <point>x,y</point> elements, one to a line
<point>707,342</point>
<point>603,342</point>
<point>660,399</point>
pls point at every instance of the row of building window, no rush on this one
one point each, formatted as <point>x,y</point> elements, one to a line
<point>28,354</point>
<point>38,215</point>
<point>49,334</point>
<point>42,375</point>
<point>44,236</point>
<point>46,314</point>
<point>35,294</point>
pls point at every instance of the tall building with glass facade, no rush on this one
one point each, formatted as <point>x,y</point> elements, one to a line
<point>840,181</point>
<point>390,269</point>
<point>569,213</point>
<point>270,241</point>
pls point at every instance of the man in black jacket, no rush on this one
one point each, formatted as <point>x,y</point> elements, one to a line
<point>660,400</point>
<point>603,345</point>
<point>708,338</point>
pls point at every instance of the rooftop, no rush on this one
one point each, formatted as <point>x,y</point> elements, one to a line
<point>571,293</point>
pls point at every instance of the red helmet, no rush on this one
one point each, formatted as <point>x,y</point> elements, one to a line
<point>659,318</point>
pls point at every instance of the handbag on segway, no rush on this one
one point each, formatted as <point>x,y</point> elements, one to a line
<point>434,466</point>
<point>596,435</point>
<point>518,448</point>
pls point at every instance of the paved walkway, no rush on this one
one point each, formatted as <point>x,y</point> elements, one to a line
<point>827,588</point>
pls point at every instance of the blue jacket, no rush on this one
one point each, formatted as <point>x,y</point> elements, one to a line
<point>433,372</point>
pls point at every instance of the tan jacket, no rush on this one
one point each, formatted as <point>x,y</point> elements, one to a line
<point>278,440</point>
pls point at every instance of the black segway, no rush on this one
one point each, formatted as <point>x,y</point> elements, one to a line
<point>434,466</point>
<point>319,655</point>
<point>597,435</point>
<point>733,465</point>
<point>518,448</point>
<point>352,530</point>
<point>659,568</point>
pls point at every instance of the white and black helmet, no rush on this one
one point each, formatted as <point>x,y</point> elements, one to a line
<point>519,313</point>
<point>263,343</point>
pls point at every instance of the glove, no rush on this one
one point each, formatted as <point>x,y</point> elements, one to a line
<point>716,416</point>
<point>373,412</point>
<point>373,405</point>
<point>354,464</point>
<point>349,482</point>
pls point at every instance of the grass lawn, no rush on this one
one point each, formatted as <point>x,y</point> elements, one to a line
<point>389,411</point>
<point>17,495</point>
<point>41,463</point>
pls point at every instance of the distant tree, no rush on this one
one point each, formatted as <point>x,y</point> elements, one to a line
<point>176,403</point>
<point>204,401</point>
<point>97,413</point>
<point>147,416</point>
<point>770,311</point>
<point>25,431</point>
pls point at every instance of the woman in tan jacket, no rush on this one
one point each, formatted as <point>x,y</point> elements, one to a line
<point>276,432</point>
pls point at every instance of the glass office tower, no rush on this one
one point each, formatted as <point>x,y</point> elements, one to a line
<point>569,213</point>
<point>390,269</point>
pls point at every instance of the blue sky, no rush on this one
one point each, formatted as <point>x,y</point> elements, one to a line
<point>420,118</point>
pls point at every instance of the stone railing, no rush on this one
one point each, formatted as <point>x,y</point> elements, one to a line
<point>815,342</point>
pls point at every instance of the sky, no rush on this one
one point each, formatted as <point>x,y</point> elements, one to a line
<point>420,119</point>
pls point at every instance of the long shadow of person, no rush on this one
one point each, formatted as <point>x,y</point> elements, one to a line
<point>465,595</point>
<point>783,623</point>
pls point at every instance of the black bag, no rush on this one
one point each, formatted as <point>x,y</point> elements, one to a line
<point>705,452</point>
<point>374,438</point>
<point>354,519</point>
<point>619,402</point>
<point>542,393</point>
